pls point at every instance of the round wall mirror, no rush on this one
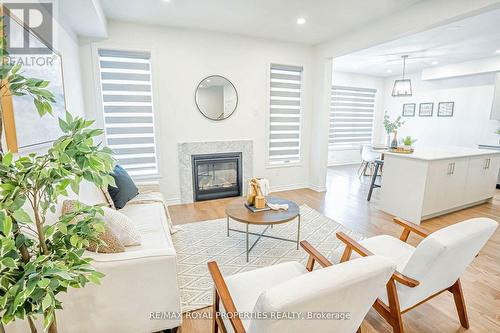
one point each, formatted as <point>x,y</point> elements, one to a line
<point>216,97</point>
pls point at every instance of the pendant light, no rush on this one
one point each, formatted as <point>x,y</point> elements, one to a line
<point>402,87</point>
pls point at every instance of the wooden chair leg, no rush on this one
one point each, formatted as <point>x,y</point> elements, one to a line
<point>394,308</point>
<point>458,295</point>
<point>346,255</point>
<point>367,166</point>
<point>362,169</point>
<point>361,166</point>
<point>215,310</point>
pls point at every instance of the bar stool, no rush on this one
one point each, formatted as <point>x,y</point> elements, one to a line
<point>378,165</point>
<point>368,157</point>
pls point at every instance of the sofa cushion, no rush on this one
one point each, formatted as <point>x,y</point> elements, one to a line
<point>151,222</point>
<point>125,188</point>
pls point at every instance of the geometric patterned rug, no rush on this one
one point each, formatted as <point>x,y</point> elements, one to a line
<point>200,242</point>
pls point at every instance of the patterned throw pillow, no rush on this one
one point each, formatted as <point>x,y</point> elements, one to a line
<point>112,242</point>
<point>122,226</point>
<point>68,206</point>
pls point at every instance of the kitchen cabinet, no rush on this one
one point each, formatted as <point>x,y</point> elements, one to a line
<point>437,180</point>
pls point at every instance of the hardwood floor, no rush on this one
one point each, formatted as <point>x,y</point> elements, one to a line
<point>345,202</point>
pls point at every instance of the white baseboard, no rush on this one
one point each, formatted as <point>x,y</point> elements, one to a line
<point>288,187</point>
<point>317,188</point>
<point>344,163</point>
<point>298,187</point>
<point>173,201</point>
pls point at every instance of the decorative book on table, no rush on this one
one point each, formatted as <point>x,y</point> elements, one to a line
<point>256,210</point>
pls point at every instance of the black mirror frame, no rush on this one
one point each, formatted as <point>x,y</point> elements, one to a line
<point>235,90</point>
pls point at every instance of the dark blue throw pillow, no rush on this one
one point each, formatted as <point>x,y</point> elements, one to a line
<point>125,189</point>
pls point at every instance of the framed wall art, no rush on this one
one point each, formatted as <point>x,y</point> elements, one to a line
<point>445,109</point>
<point>409,110</point>
<point>426,109</point>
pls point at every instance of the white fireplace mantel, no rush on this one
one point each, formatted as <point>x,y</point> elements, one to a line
<point>187,149</point>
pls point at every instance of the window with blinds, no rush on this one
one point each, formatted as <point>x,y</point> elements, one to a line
<point>127,100</point>
<point>351,116</point>
<point>284,114</point>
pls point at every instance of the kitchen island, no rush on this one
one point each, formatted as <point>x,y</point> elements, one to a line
<point>433,181</point>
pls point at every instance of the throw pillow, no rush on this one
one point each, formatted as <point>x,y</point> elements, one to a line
<point>109,200</point>
<point>68,206</point>
<point>125,188</point>
<point>111,243</point>
<point>122,226</point>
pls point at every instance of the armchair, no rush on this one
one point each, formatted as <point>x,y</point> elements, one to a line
<point>254,301</point>
<point>426,271</point>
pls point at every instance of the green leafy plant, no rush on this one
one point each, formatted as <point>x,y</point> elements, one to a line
<point>38,260</point>
<point>392,126</point>
<point>408,141</point>
<point>498,131</point>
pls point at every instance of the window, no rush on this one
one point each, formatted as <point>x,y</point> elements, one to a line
<point>351,116</point>
<point>284,114</point>
<point>127,101</point>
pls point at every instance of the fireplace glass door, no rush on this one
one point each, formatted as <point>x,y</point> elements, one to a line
<point>216,176</point>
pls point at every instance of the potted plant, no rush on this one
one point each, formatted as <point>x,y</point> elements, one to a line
<point>39,261</point>
<point>408,142</point>
<point>391,127</point>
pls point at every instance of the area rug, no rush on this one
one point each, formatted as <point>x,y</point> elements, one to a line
<point>200,242</point>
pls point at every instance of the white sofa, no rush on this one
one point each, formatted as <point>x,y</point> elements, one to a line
<point>140,283</point>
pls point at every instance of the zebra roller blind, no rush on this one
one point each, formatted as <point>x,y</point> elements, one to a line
<point>351,116</point>
<point>284,114</point>
<point>127,101</point>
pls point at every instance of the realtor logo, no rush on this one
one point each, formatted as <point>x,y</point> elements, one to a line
<point>29,27</point>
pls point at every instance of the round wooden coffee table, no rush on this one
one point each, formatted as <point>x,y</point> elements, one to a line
<point>237,211</point>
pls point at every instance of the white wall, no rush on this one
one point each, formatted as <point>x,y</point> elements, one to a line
<point>67,46</point>
<point>470,124</point>
<point>401,24</point>
<point>180,59</point>
<point>339,156</point>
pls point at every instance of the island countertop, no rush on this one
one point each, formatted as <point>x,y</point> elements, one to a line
<point>431,153</point>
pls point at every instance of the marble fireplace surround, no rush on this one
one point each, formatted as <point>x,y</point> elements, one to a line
<point>186,149</point>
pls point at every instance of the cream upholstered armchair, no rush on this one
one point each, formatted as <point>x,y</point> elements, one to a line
<point>425,271</point>
<point>254,301</point>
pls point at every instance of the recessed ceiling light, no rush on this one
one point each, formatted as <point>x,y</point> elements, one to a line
<point>435,62</point>
<point>355,66</point>
<point>389,71</point>
<point>497,51</point>
<point>301,21</point>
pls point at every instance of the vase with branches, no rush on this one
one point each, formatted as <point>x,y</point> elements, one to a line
<point>391,127</point>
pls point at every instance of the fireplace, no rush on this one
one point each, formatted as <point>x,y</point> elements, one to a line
<point>216,176</point>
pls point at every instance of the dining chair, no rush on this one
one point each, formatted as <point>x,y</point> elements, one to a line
<point>368,157</point>
<point>425,271</point>
<point>334,298</point>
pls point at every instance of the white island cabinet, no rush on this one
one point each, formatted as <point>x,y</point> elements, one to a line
<point>437,180</point>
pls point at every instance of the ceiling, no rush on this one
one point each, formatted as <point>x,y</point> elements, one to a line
<point>273,19</point>
<point>472,38</point>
